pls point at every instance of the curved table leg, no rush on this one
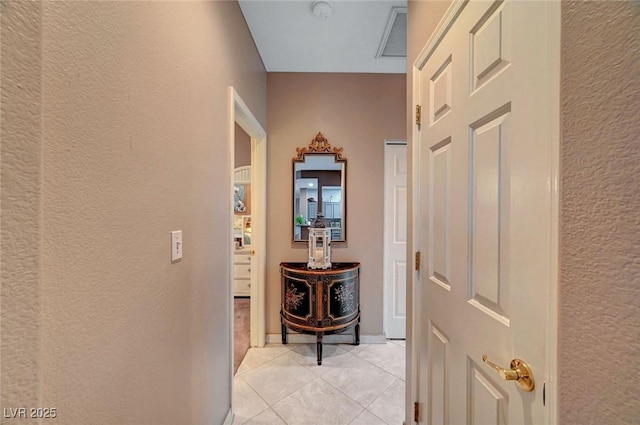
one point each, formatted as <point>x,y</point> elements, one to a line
<point>284,334</point>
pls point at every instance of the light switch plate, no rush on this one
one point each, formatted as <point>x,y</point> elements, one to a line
<point>176,245</point>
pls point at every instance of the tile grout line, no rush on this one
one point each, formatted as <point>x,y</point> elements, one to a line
<point>290,354</point>
<point>384,370</point>
<point>259,396</point>
<point>240,373</point>
<point>382,393</point>
<point>356,401</point>
<point>390,373</point>
<point>269,405</point>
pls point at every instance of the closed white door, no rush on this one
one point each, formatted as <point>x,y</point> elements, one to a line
<point>395,239</point>
<point>488,86</point>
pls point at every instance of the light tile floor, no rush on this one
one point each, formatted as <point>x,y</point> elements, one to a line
<point>356,385</point>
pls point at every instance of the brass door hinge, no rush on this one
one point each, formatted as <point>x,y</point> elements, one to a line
<point>418,257</point>
<point>418,115</point>
<point>416,412</point>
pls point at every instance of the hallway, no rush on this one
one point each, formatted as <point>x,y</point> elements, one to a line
<point>356,385</point>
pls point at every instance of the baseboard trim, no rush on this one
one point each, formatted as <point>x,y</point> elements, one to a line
<point>229,419</point>
<point>296,338</point>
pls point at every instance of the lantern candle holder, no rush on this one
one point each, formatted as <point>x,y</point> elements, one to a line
<point>319,244</point>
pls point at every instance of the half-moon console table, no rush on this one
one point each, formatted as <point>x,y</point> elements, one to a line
<point>320,301</point>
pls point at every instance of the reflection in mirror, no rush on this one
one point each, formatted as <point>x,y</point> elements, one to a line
<point>319,174</point>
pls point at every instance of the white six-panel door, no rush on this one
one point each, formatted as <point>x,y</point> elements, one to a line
<point>395,239</point>
<point>488,88</point>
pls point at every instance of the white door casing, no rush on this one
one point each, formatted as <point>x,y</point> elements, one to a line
<point>487,82</point>
<point>240,113</point>
<point>395,239</point>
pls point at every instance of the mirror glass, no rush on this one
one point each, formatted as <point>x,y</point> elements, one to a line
<point>319,186</point>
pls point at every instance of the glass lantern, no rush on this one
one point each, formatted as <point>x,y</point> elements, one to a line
<point>319,244</point>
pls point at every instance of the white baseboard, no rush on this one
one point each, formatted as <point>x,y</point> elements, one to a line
<point>296,338</point>
<point>229,419</point>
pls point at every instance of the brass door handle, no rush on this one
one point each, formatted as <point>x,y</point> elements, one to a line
<point>520,372</point>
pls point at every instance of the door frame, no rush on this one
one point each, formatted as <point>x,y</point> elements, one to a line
<point>414,289</point>
<point>386,300</point>
<point>239,112</point>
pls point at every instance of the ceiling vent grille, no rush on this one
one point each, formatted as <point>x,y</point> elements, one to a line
<point>394,40</point>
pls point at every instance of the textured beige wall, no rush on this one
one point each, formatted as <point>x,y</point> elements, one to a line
<point>132,145</point>
<point>599,312</point>
<point>20,226</point>
<point>354,111</point>
<point>243,147</point>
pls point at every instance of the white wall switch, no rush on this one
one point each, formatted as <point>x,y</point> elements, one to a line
<point>176,245</point>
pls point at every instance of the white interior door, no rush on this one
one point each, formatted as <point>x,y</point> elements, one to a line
<point>488,85</point>
<point>395,239</point>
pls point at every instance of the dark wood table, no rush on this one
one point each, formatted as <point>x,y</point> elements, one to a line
<point>320,302</point>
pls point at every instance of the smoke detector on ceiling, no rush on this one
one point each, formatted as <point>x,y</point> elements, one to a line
<point>322,9</point>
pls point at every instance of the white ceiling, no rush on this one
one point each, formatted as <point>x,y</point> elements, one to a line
<point>290,38</point>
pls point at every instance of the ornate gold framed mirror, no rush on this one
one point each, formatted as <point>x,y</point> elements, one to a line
<point>319,186</point>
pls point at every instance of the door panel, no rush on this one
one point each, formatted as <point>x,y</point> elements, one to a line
<point>440,99</point>
<point>439,206</point>
<point>438,370</point>
<point>400,291</point>
<point>485,167</point>
<point>490,45</point>
<point>488,207</point>
<point>489,405</point>
<point>395,240</point>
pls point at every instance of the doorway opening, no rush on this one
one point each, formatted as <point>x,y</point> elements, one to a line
<point>253,221</point>
<point>243,246</point>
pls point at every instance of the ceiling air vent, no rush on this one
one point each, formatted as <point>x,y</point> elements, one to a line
<point>394,40</point>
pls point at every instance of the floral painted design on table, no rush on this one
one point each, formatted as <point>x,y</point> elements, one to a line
<point>292,298</point>
<point>345,295</point>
